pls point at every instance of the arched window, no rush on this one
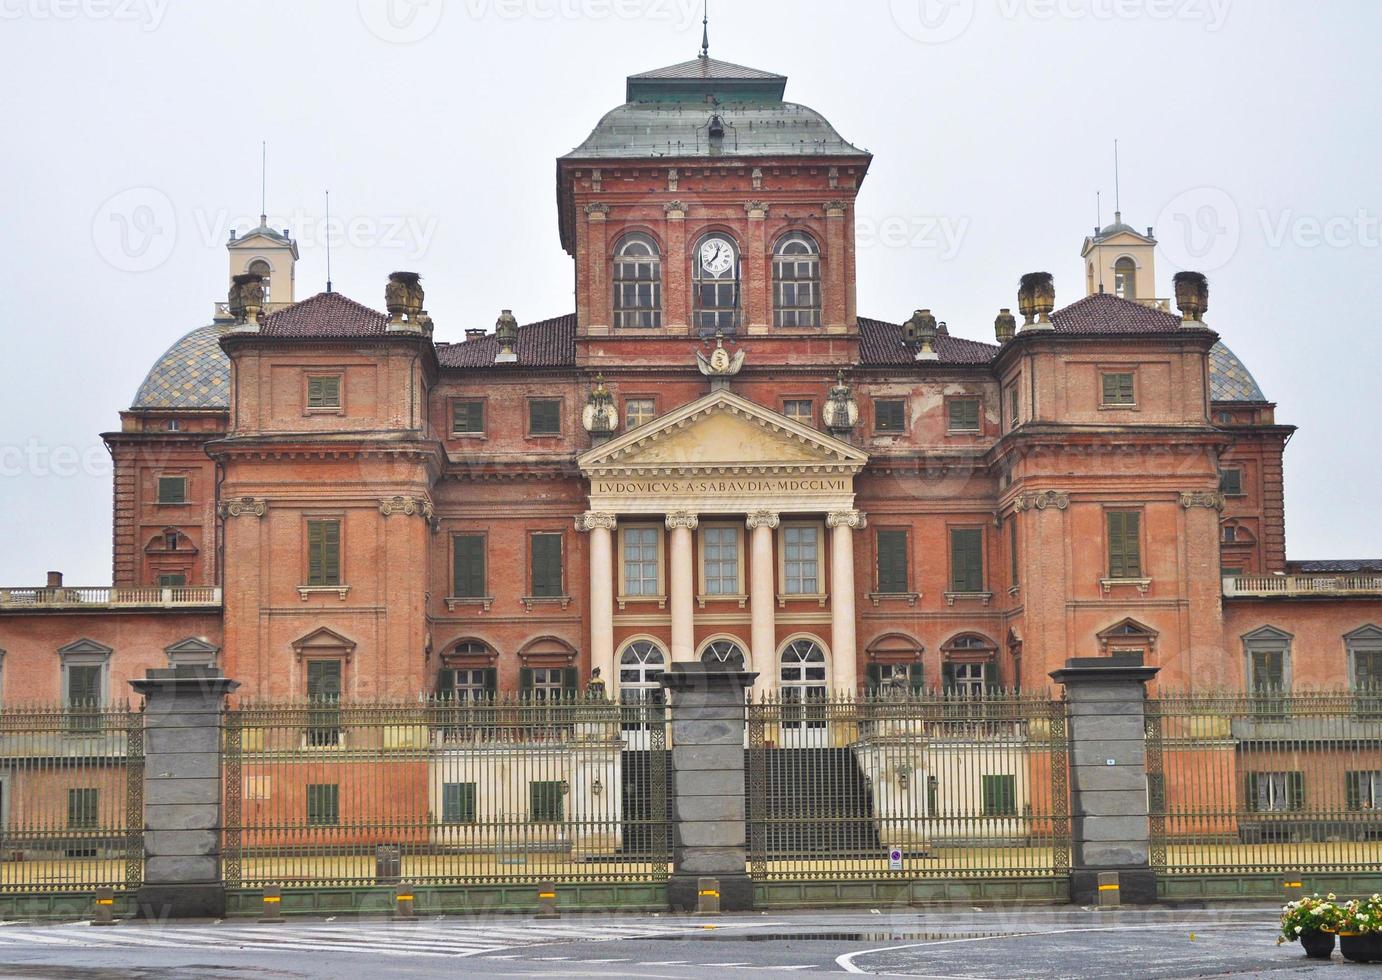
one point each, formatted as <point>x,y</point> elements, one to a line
<point>723,655</point>
<point>803,683</point>
<point>637,282</point>
<point>261,268</point>
<point>1125,278</point>
<point>968,669</point>
<point>797,281</point>
<point>715,282</point>
<point>640,670</point>
<point>468,672</point>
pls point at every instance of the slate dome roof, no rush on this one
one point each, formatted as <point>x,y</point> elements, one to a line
<point>193,373</point>
<point>1229,378</point>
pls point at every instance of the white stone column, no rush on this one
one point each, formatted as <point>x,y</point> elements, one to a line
<point>762,600</point>
<point>683,586</point>
<point>601,529</point>
<point>844,674</point>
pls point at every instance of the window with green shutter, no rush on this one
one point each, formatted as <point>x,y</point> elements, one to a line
<point>1124,544</point>
<point>1231,482</point>
<point>966,559</point>
<point>546,802</point>
<point>964,414</point>
<point>546,566</point>
<point>458,803</point>
<point>999,797</point>
<point>1363,790</point>
<point>172,581</point>
<point>544,417</point>
<point>172,489</point>
<point>468,417</point>
<point>323,804</point>
<point>324,693</point>
<point>83,808</point>
<point>1012,549</point>
<point>84,685</point>
<point>469,581</point>
<point>324,391</point>
<point>324,553</point>
<point>1118,388</point>
<point>892,561</point>
<point>890,415</point>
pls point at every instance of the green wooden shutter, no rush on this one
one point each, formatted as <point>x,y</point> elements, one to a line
<point>546,553</point>
<point>873,678</point>
<point>570,683</point>
<point>172,489</point>
<point>324,680</point>
<point>1012,547</point>
<point>1353,790</point>
<point>84,685</point>
<point>966,560</point>
<point>525,681</point>
<point>1295,790</point>
<point>469,581</point>
<point>323,552</point>
<point>948,676</point>
<point>446,683</point>
<point>1124,544</point>
<point>964,414</point>
<point>1252,792</point>
<point>892,561</point>
<point>468,417</point>
<point>491,681</point>
<point>917,677</point>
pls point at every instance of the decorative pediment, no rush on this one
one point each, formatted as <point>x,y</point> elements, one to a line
<point>1128,629</point>
<point>722,434</point>
<point>1369,636</point>
<point>324,642</point>
<point>85,648</point>
<point>1267,635</point>
<point>191,647</point>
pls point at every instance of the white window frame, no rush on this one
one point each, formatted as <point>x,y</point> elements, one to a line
<point>703,551</point>
<point>659,595</point>
<point>86,653</point>
<point>782,562</point>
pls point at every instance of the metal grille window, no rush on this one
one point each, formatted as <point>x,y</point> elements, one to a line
<point>172,489</point>
<point>801,410</point>
<point>637,283</point>
<point>892,562</point>
<point>468,417</point>
<point>724,655</point>
<point>1124,544</point>
<point>639,411</point>
<point>544,417</point>
<point>1118,388</point>
<point>323,804</point>
<point>803,685</point>
<point>546,566</point>
<point>1276,791</point>
<point>966,559</point>
<point>964,414</point>
<point>641,561</point>
<point>999,796</point>
<point>83,808</point>
<point>324,553</point>
<point>721,560</point>
<point>458,803</point>
<point>546,801</point>
<point>715,284</point>
<point>890,415</point>
<point>324,392</point>
<point>797,282</point>
<point>801,560</point>
<point>469,581</point>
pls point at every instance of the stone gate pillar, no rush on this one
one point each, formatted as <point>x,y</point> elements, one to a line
<point>1110,829</point>
<point>182,792</point>
<point>709,828</point>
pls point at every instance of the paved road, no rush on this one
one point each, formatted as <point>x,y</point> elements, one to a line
<point>951,943</point>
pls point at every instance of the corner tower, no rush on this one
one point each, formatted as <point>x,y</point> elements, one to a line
<point>707,203</point>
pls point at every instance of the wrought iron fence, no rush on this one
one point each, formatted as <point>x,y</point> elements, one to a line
<point>1272,782</point>
<point>908,785</point>
<point>71,798</point>
<point>444,792</point>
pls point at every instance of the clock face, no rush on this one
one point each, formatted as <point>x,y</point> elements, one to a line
<point>717,256</point>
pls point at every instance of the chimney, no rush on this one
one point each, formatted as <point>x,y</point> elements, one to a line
<point>476,333</point>
<point>55,580</point>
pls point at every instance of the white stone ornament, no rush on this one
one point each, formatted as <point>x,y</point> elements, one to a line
<point>720,363</point>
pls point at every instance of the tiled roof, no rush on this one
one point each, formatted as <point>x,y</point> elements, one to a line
<point>545,344</point>
<point>707,68</point>
<point>1343,566</point>
<point>193,373</point>
<point>325,315</point>
<point>880,343</point>
<point>1229,378</point>
<point>1106,313</point>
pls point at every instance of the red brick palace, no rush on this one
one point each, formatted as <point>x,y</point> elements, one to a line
<point>714,457</point>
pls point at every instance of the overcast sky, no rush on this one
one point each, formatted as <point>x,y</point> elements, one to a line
<point>1249,137</point>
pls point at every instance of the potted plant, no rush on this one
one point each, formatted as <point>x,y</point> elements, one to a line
<point>1313,921</point>
<point>1360,930</point>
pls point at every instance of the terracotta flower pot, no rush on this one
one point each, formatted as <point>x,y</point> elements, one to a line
<point>1361,947</point>
<point>1318,945</point>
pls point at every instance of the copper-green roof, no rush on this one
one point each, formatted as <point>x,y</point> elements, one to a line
<point>701,77</point>
<point>193,373</point>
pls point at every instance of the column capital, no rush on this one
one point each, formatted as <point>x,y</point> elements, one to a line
<point>856,519</point>
<point>592,519</point>
<point>597,211</point>
<point>763,518</point>
<point>245,507</point>
<point>682,518</point>
<point>836,209</point>
<point>674,210</point>
<point>756,210</point>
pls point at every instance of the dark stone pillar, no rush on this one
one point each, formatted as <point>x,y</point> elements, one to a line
<point>182,792</point>
<point>709,831</point>
<point>1110,830</point>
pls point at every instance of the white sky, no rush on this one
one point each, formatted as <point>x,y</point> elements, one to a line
<point>991,121</point>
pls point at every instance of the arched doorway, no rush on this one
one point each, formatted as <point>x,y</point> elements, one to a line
<point>802,672</point>
<point>641,664</point>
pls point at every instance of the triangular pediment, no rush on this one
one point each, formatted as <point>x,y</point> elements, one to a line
<point>725,433</point>
<point>323,640</point>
